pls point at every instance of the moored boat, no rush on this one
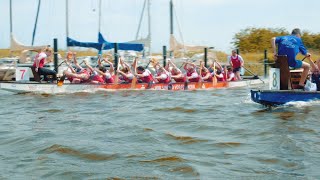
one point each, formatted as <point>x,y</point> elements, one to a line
<point>272,97</point>
<point>52,88</point>
<point>281,91</point>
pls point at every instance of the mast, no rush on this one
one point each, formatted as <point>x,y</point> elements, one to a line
<point>35,24</point>
<point>171,23</point>
<point>140,21</point>
<point>10,16</point>
<point>149,27</point>
<point>67,21</point>
<point>99,25</point>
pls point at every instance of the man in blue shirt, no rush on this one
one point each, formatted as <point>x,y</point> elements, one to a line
<point>291,45</point>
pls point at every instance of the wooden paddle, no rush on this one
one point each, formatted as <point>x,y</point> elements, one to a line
<point>200,76</point>
<point>214,78</point>
<point>62,78</point>
<point>116,73</point>
<point>255,76</point>
<point>134,79</point>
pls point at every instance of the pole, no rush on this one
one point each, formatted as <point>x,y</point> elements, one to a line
<point>55,54</point>
<point>10,23</point>
<point>164,53</point>
<point>67,21</point>
<point>265,63</point>
<point>11,16</point>
<point>238,51</point>
<point>171,23</point>
<point>35,24</point>
<point>149,27</point>
<point>116,56</point>
<point>205,57</point>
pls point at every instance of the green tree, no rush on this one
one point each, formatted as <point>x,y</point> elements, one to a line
<point>256,39</point>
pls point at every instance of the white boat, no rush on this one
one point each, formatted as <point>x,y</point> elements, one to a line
<point>52,88</point>
<point>7,68</point>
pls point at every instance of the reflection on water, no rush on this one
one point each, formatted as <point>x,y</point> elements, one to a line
<point>217,134</point>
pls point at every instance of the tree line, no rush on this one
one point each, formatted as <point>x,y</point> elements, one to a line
<point>258,39</point>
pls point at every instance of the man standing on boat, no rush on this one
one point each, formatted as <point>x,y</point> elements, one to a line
<point>291,45</point>
<point>236,61</point>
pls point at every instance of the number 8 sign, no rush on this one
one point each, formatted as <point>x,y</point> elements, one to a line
<point>274,79</point>
<point>22,74</point>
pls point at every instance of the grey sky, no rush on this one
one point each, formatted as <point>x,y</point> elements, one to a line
<point>202,22</point>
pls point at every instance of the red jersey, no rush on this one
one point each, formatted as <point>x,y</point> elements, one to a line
<point>236,63</point>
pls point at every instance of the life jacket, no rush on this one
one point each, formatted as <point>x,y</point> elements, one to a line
<point>147,79</point>
<point>210,79</point>
<point>108,80</point>
<point>182,79</point>
<point>97,77</point>
<point>167,80</point>
<point>227,76</point>
<point>41,62</point>
<point>128,80</point>
<point>189,74</point>
<point>236,63</point>
<point>221,78</point>
<point>86,74</point>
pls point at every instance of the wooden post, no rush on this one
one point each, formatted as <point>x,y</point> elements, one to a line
<point>282,64</point>
<point>55,54</point>
<point>265,63</point>
<point>116,57</point>
<point>206,57</point>
<point>164,54</point>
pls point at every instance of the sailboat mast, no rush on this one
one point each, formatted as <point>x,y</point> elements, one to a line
<point>10,16</point>
<point>140,21</point>
<point>67,21</point>
<point>99,26</point>
<point>149,27</point>
<point>36,22</point>
<point>171,17</point>
<point>171,24</point>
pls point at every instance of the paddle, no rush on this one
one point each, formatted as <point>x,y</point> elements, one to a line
<point>134,79</point>
<point>254,76</point>
<point>200,76</point>
<point>214,80</point>
<point>62,78</point>
<point>117,74</point>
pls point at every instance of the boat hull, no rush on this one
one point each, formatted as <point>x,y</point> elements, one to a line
<point>72,88</point>
<point>279,97</point>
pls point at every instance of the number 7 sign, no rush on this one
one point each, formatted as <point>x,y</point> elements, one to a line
<point>22,74</point>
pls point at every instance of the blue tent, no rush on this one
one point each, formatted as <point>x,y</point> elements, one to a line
<point>121,46</point>
<point>105,45</point>
<point>72,42</point>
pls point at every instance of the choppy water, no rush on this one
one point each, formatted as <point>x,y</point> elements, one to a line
<point>213,134</point>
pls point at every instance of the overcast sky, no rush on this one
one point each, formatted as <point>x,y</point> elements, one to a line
<point>201,22</point>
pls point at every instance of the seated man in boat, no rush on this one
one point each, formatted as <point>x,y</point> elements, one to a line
<point>219,75</point>
<point>162,75</point>
<point>205,74</point>
<point>78,75</point>
<point>192,75</point>
<point>176,73</point>
<point>230,76</point>
<point>143,75</point>
<point>125,72</point>
<point>95,77</point>
<point>40,60</point>
<point>315,69</point>
<point>107,75</point>
<point>291,45</point>
<point>236,62</point>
